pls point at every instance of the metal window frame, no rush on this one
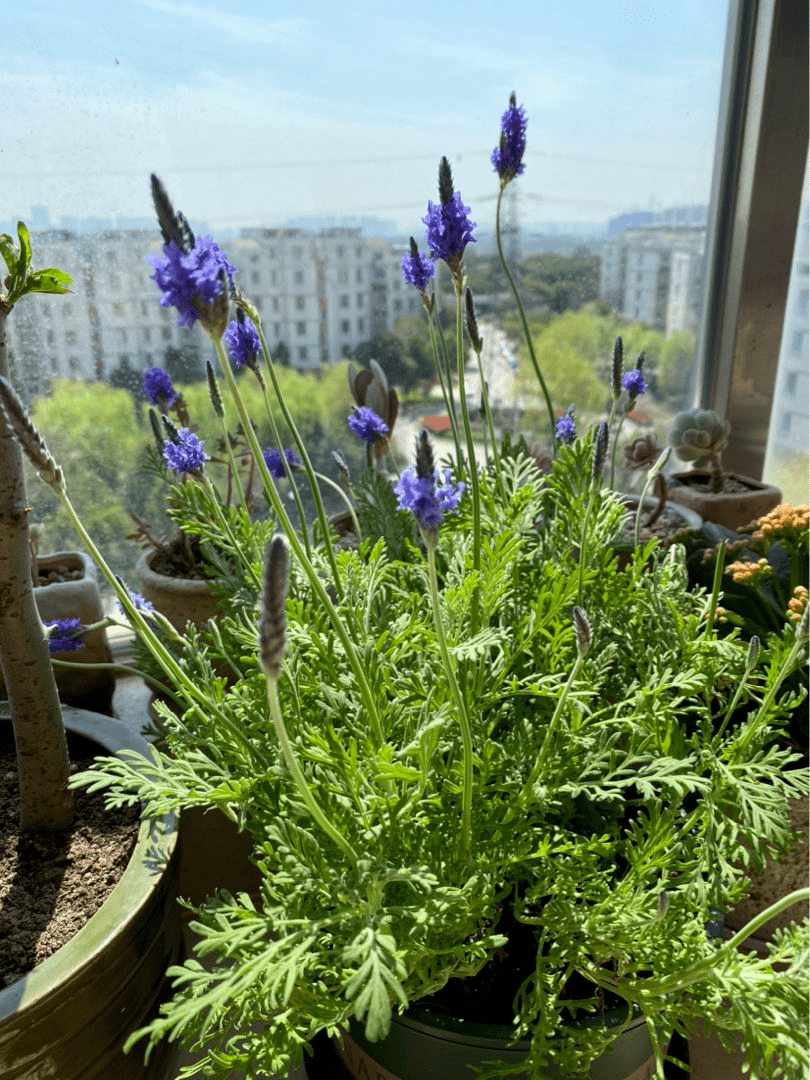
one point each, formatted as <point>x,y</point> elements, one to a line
<point>760,159</point>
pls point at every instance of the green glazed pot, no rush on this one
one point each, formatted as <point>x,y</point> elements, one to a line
<point>423,1045</point>
<point>68,1019</point>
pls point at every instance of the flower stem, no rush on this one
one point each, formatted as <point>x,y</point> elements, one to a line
<point>346,499</point>
<point>444,373</point>
<point>298,777</point>
<point>522,313</point>
<point>300,554</point>
<point>461,705</point>
<point>552,725</point>
<point>472,464</point>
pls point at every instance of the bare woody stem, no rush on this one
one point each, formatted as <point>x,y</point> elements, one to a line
<point>42,757</point>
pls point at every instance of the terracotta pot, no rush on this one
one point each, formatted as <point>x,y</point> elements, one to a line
<point>69,1018</point>
<point>733,510</point>
<point>80,599</point>
<point>423,1045</point>
<point>181,600</point>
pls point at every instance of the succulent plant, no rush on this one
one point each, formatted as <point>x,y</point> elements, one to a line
<point>699,436</point>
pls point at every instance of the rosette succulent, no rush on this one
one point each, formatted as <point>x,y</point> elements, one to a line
<point>700,436</point>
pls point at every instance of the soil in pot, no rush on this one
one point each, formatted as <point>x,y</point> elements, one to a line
<point>52,883</point>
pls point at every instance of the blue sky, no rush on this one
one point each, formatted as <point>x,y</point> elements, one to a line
<point>255,112</point>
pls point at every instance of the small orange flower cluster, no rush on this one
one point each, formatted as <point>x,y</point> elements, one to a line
<point>749,572</point>
<point>797,603</point>
<point>783,519</point>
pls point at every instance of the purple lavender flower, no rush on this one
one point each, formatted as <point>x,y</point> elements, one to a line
<point>62,635</point>
<point>275,466</point>
<point>507,159</point>
<point>187,455</point>
<point>417,269</point>
<point>565,429</point>
<point>634,383</point>
<point>242,340</point>
<point>367,426</point>
<point>428,498</point>
<point>190,281</point>
<point>449,230</point>
<point>157,386</point>
<point>138,601</point>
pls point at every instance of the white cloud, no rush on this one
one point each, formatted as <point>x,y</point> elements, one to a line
<point>244,28</point>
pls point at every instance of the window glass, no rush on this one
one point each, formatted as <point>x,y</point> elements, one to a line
<point>786,461</point>
<point>284,135</point>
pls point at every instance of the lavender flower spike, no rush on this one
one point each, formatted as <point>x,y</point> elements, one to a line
<point>565,429</point>
<point>367,426</point>
<point>242,341</point>
<point>417,269</point>
<point>158,389</point>
<point>187,455</point>
<point>507,159</point>
<point>62,635</point>
<point>448,229</point>
<point>275,465</point>
<point>634,383</point>
<point>196,283</point>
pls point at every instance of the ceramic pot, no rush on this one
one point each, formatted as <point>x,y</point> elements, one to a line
<point>425,1045</point>
<point>181,600</point>
<point>69,1018</point>
<point>86,687</point>
<point>734,510</point>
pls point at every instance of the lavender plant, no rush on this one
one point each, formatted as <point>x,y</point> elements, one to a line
<point>470,744</point>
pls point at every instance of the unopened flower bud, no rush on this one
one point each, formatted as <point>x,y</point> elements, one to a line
<point>472,322</point>
<point>272,630</point>
<point>33,445</point>
<point>445,181</point>
<point>582,629</point>
<point>753,654</point>
<point>617,368</point>
<point>213,390</point>
<point>424,457</point>
<point>599,452</point>
<point>171,430</point>
<point>154,423</point>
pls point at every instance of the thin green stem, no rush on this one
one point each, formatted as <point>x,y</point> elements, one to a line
<point>753,726</point>
<point>302,451</point>
<point>461,705</point>
<point>488,416</point>
<point>298,777</point>
<point>719,566</point>
<point>153,643</point>
<point>552,726</point>
<point>524,323</point>
<point>681,980</point>
<point>305,562</point>
<point>156,683</point>
<point>346,499</point>
<point>651,475</point>
<point>443,371</point>
<point>224,522</point>
<point>472,463</point>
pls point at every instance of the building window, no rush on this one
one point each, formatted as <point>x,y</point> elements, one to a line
<point>359,299</point>
<point>344,300</point>
<point>115,281</point>
<point>277,328</point>
<point>166,333</point>
<point>341,251</point>
<point>802,300</point>
<point>276,304</point>
<point>273,277</point>
<point>345,326</point>
<point>301,328</point>
<point>73,363</point>
<point>361,325</point>
<point>147,335</point>
<point>302,353</point>
<point>358,275</point>
<point>50,337</point>
<point>298,277</point>
<point>118,310</point>
<point>797,345</point>
<point>300,303</point>
<point>70,337</point>
<point>343,276</point>
<point>121,335</point>
<point>346,351</point>
<point>255,277</point>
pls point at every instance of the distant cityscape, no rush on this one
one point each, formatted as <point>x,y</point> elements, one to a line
<point>324,285</point>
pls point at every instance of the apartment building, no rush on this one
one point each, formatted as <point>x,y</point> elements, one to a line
<point>655,276</point>
<point>318,294</point>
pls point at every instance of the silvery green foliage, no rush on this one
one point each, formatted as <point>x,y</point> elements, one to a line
<point>699,435</point>
<point>635,795</point>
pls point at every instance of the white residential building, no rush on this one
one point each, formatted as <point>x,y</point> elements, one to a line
<point>320,294</point>
<point>655,276</point>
